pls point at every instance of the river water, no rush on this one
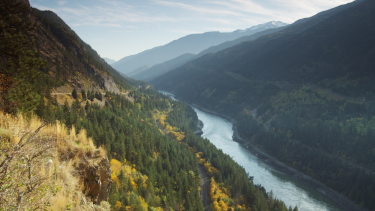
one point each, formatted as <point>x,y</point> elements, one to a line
<point>219,131</point>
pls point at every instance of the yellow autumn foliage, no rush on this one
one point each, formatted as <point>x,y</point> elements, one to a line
<point>128,171</point>
<point>60,156</point>
<point>118,206</point>
<point>216,192</point>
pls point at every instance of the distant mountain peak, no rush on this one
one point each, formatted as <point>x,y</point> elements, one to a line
<point>264,26</point>
<point>109,61</point>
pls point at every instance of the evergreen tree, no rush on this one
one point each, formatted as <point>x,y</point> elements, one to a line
<point>83,94</point>
<point>74,94</point>
<point>98,96</point>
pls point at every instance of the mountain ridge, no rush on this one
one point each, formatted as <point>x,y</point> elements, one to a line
<point>193,43</point>
<point>293,28</point>
<point>109,61</point>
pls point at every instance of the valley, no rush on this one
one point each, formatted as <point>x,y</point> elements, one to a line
<point>297,100</point>
<point>311,195</point>
<point>275,117</point>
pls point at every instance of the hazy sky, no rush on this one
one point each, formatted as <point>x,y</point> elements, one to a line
<point>119,28</point>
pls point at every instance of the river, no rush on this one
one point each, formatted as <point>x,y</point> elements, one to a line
<point>219,131</point>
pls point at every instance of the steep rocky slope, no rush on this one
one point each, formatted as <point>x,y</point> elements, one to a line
<point>64,170</point>
<point>69,58</point>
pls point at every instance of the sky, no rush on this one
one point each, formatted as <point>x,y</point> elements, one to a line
<point>119,28</point>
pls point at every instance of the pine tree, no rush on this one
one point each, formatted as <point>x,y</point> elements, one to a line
<point>74,94</point>
<point>92,95</point>
<point>83,94</point>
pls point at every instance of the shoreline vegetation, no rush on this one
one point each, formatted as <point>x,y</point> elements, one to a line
<point>338,198</point>
<point>230,187</point>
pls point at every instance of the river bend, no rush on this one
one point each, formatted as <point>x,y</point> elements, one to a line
<point>219,131</point>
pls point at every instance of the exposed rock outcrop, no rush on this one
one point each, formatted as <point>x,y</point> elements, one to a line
<point>110,84</point>
<point>98,182</point>
<point>199,130</point>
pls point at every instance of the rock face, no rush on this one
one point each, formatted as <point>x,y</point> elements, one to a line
<point>97,182</point>
<point>110,84</point>
<point>199,130</point>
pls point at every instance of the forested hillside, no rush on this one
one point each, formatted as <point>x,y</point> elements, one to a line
<point>103,143</point>
<point>304,95</point>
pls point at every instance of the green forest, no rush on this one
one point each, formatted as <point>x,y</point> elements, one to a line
<point>328,138</point>
<point>304,95</point>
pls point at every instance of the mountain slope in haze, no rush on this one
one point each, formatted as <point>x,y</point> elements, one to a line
<point>284,53</point>
<point>140,69</point>
<point>189,44</point>
<point>160,69</point>
<point>304,94</point>
<point>296,27</point>
<point>109,61</point>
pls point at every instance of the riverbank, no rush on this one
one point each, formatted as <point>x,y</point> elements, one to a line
<point>199,130</point>
<point>339,199</point>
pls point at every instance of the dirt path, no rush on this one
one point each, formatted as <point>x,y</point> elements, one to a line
<point>68,93</point>
<point>205,182</point>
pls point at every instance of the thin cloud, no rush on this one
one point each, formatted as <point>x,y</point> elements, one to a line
<point>108,13</point>
<point>287,11</point>
<point>244,6</point>
<point>204,10</point>
<point>181,31</point>
<point>61,2</point>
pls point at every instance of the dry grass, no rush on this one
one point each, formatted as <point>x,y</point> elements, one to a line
<point>56,156</point>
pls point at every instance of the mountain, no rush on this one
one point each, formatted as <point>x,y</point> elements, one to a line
<point>294,28</point>
<point>193,44</point>
<point>287,54</point>
<point>109,61</point>
<point>160,69</point>
<point>69,55</point>
<point>39,54</point>
<point>139,70</point>
<point>165,67</point>
<point>304,94</point>
<point>169,65</point>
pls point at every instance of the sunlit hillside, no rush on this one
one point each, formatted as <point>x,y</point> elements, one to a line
<point>50,167</point>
